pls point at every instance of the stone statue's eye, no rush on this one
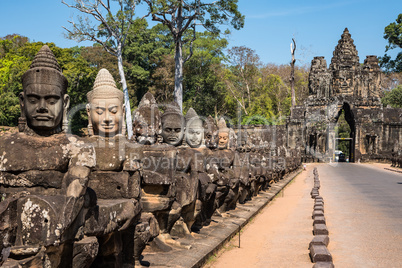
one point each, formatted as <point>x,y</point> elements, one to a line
<point>33,99</point>
<point>99,111</point>
<point>168,129</point>
<point>113,109</point>
<point>177,130</point>
<point>51,100</point>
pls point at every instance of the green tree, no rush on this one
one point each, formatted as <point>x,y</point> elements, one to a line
<point>393,97</point>
<point>182,17</point>
<point>15,59</point>
<point>393,33</point>
<point>279,94</point>
<point>145,52</point>
<point>242,75</point>
<point>204,91</point>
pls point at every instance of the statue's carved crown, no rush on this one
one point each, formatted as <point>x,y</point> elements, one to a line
<point>148,111</point>
<point>209,125</point>
<point>104,87</point>
<point>147,100</point>
<point>222,125</point>
<point>172,109</point>
<point>191,116</point>
<point>45,70</point>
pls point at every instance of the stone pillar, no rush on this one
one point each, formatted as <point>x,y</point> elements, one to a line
<point>359,142</point>
<point>331,142</point>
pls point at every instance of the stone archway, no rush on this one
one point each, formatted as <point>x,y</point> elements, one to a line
<point>349,117</point>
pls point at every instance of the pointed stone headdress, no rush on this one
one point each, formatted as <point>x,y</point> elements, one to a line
<point>148,113</point>
<point>105,87</point>
<point>172,108</point>
<point>345,52</point>
<point>209,125</point>
<point>222,125</point>
<point>45,70</point>
<point>191,116</point>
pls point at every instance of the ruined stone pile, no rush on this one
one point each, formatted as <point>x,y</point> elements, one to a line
<point>319,253</point>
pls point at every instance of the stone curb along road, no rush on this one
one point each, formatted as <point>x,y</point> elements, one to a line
<point>212,238</point>
<point>319,253</point>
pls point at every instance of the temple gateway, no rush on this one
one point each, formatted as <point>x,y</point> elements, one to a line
<point>353,89</point>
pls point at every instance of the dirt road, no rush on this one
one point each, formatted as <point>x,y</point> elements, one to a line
<point>363,211</point>
<point>279,235</point>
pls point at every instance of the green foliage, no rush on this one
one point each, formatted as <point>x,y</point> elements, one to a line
<point>202,89</point>
<point>144,53</point>
<point>393,97</point>
<point>14,61</point>
<point>393,33</point>
<point>343,130</point>
<point>215,83</point>
<point>182,17</point>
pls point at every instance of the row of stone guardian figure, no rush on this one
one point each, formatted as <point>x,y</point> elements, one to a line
<point>97,201</point>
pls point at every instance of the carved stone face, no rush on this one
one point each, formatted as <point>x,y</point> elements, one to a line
<point>223,140</point>
<point>211,140</point>
<point>172,129</point>
<point>43,106</point>
<point>107,116</point>
<point>194,133</point>
<point>144,133</point>
<point>146,124</point>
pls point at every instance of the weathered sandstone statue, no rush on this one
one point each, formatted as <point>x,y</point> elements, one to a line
<point>44,100</point>
<point>43,174</point>
<point>186,171</point>
<point>194,129</point>
<point>206,195</point>
<point>146,121</point>
<point>105,107</point>
<point>223,166</point>
<point>116,221</point>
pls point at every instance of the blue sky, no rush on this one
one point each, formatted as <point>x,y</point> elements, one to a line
<point>269,28</point>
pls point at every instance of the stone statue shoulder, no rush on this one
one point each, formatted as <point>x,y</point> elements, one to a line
<point>20,152</point>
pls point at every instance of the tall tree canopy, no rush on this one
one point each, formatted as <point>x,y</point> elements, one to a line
<point>182,16</point>
<point>393,33</point>
<point>393,98</point>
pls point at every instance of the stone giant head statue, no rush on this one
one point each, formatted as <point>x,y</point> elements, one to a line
<point>223,134</point>
<point>173,125</point>
<point>211,133</point>
<point>147,120</point>
<point>105,107</point>
<point>44,101</point>
<point>194,129</point>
